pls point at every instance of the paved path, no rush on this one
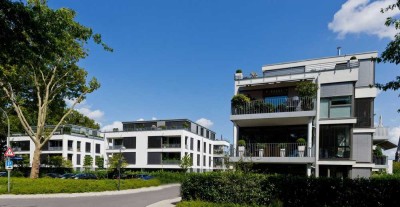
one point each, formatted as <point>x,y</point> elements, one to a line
<point>127,198</point>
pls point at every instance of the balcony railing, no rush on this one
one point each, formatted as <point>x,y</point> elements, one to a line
<point>171,162</point>
<point>171,145</point>
<point>380,160</point>
<point>275,105</point>
<point>115,147</point>
<point>275,150</point>
<point>218,151</point>
<point>53,149</point>
<point>70,148</point>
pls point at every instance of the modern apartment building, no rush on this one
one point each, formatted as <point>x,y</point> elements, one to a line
<point>160,144</point>
<point>69,141</point>
<point>336,122</point>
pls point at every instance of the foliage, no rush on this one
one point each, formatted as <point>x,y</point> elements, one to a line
<point>378,151</point>
<point>239,100</point>
<point>186,162</point>
<point>50,185</point>
<point>88,162</point>
<point>66,163</point>
<point>241,143</point>
<point>239,71</point>
<point>186,125</point>
<point>242,166</point>
<point>79,119</point>
<point>99,162</point>
<point>41,49</point>
<point>307,89</point>
<point>396,168</point>
<point>301,141</point>
<point>282,145</point>
<point>113,162</point>
<point>53,161</point>
<point>260,189</point>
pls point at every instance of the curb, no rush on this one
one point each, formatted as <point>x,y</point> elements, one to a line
<point>88,194</point>
<point>166,203</point>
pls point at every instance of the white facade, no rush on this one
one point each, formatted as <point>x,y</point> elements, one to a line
<point>159,148</point>
<point>343,82</point>
<point>71,146</point>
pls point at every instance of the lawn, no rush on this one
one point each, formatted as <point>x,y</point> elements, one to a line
<point>51,185</point>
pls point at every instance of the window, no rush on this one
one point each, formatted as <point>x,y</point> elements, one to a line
<point>198,145</point>
<point>209,161</point>
<point>336,107</point>
<point>70,143</point>
<point>78,146</point>
<point>202,132</point>
<point>198,160</point>
<point>364,112</point>
<point>129,142</point>
<point>209,148</point>
<point>130,157</point>
<point>334,141</point>
<point>154,142</point>
<point>205,147</point>
<point>98,148</point>
<point>191,158</point>
<point>78,159</point>
<point>87,147</point>
<point>191,143</point>
<point>204,160</point>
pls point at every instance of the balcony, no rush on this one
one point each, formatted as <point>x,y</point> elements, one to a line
<point>115,147</point>
<point>53,149</point>
<point>380,160</point>
<point>171,162</point>
<point>171,145</point>
<point>218,151</point>
<point>275,153</point>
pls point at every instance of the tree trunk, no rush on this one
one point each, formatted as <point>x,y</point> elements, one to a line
<point>36,163</point>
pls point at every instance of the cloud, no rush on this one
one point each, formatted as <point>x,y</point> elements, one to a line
<point>205,122</point>
<point>141,119</point>
<point>110,127</point>
<point>153,118</point>
<point>394,133</point>
<point>87,110</point>
<point>363,16</point>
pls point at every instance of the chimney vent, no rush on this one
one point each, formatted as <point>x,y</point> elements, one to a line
<point>339,51</point>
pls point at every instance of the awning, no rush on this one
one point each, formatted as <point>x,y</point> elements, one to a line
<point>386,145</point>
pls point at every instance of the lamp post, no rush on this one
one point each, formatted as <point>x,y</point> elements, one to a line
<point>119,166</point>
<point>8,144</point>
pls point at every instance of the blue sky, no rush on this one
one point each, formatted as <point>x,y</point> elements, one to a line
<point>177,58</point>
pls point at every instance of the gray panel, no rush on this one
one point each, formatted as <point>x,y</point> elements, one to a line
<point>362,147</point>
<point>130,157</point>
<point>286,71</point>
<point>154,142</point>
<point>154,158</point>
<point>337,89</point>
<point>129,142</point>
<point>366,73</point>
<point>360,173</point>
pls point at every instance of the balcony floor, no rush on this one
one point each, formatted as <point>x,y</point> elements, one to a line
<point>275,160</point>
<point>273,119</point>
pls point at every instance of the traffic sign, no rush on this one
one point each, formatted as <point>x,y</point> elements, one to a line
<point>9,164</point>
<point>9,152</point>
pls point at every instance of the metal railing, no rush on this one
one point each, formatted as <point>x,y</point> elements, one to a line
<point>115,147</point>
<point>171,145</point>
<point>275,150</point>
<point>275,105</point>
<point>70,148</point>
<point>218,151</point>
<point>53,149</point>
<point>380,160</point>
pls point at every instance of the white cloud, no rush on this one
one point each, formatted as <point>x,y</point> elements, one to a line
<point>87,110</point>
<point>363,16</point>
<point>205,122</point>
<point>141,119</point>
<point>153,118</point>
<point>394,133</point>
<point>110,127</point>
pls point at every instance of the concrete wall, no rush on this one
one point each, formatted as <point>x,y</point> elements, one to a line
<point>360,172</point>
<point>366,74</point>
<point>337,89</point>
<point>361,147</point>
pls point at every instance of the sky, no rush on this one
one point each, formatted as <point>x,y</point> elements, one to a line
<point>177,58</point>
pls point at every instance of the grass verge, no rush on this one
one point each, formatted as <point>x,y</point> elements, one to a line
<point>210,204</point>
<point>50,185</point>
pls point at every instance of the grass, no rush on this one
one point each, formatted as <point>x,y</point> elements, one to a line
<point>50,185</point>
<point>209,204</point>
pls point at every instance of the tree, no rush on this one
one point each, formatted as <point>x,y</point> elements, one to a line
<point>186,162</point>
<point>40,51</point>
<point>77,118</point>
<point>99,162</point>
<point>113,162</point>
<point>66,163</point>
<point>88,162</point>
<point>392,50</point>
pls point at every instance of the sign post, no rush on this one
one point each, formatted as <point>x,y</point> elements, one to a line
<point>9,164</point>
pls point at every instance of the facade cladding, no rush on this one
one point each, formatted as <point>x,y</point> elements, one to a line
<point>336,122</point>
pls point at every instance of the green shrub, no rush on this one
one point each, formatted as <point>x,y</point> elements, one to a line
<point>241,143</point>
<point>239,71</point>
<point>396,167</point>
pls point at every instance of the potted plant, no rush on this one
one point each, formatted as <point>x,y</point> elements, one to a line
<point>307,90</point>
<point>260,149</point>
<point>301,147</point>
<point>241,146</point>
<point>282,146</point>
<point>185,125</point>
<point>238,74</point>
<point>238,103</point>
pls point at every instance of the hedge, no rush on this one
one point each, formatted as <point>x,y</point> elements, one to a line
<point>256,189</point>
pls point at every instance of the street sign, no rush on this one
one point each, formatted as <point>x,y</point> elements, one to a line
<point>9,153</point>
<point>9,164</point>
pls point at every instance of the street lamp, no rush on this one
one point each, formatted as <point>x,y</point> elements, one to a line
<point>119,166</point>
<point>8,144</point>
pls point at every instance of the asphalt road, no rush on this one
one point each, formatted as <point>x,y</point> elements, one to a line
<point>140,199</point>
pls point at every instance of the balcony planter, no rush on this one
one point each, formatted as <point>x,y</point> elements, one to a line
<point>282,146</point>
<point>301,147</point>
<point>239,103</point>
<point>307,89</point>
<point>352,62</point>
<point>260,150</point>
<point>241,148</point>
<point>238,75</point>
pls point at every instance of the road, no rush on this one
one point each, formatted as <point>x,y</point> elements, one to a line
<point>138,199</point>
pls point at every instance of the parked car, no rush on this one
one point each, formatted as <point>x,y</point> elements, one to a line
<point>53,175</point>
<point>85,176</point>
<point>68,176</point>
<point>144,177</point>
<point>3,174</point>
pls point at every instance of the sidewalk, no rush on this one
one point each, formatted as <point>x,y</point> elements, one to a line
<point>166,203</point>
<point>89,194</point>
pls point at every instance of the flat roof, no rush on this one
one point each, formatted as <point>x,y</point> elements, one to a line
<point>166,120</point>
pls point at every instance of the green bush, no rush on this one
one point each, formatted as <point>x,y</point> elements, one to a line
<point>396,167</point>
<point>239,71</point>
<point>51,185</point>
<point>255,189</point>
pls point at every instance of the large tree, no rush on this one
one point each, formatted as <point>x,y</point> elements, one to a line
<point>40,51</point>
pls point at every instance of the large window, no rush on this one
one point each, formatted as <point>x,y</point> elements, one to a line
<point>364,112</point>
<point>334,141</point>
<point>336,107</point>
